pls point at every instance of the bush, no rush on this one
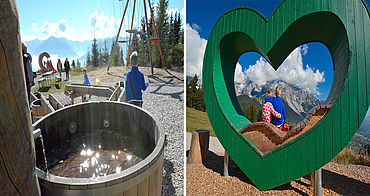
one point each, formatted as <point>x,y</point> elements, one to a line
<point>349,156</point>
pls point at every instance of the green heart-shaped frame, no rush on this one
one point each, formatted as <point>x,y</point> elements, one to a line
<point>343,28</point>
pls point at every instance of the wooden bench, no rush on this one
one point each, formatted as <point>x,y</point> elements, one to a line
<point>41,82</point>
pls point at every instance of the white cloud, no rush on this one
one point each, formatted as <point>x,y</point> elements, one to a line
<point>172,12</point>
<point>103,26</point>
<point>304,49</point>
<point>34,24</point>
<point>26,38</point>
<point>196,27</point>
<point>291,71</point>
<point>155,5</point>
<point>240,76</point>
<point>182,12</point>
<point>58,29</point>
<point>195,47</point>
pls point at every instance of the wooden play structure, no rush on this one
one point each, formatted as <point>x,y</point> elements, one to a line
<point>21,141</point>
<point>80,90</point>
<point>49,67</point>
<point>135,31</point>
<point>266,155</point>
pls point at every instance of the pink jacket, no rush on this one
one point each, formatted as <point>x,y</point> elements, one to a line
<point>267,110</point>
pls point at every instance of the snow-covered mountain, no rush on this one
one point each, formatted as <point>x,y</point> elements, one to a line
<point>299,100</point>
<point>62,47</point>
<point>65,48</point>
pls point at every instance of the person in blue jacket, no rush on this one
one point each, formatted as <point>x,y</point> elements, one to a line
<point>86,79</point>
<point>135,82</point>
<point>279,107</point>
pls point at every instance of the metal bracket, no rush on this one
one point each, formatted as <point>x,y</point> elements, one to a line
<point>316,181</point>
<point>226,164</point>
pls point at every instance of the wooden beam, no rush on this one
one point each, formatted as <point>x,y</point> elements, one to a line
<point>115,43</point>
<point>45,105</point>
<point>122,96</point>
<point>55,103</point>
<point>129,43</point>
<point>115,94</point>
<point>17,148</point>
<point>79,90</point>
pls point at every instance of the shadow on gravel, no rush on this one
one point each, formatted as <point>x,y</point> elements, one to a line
<point>116,75</point>
<point>343,185</point>
<point>176,95</point>
<point>159,80</point>
<point>44,89</point>
<point>168,188</point>
<point>215,163</point>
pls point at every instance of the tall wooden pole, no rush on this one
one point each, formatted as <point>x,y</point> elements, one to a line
<point>17,148</point>
<point>129,43</point>
<point>115,43</point>
<point>147,38</point>
<point>156,34</point>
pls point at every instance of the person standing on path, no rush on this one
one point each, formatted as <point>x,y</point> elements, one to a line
<point>73,65</point>
<point>28,71</point>
<point>135,82</point>
<point>59,67</point>
<point>67,67</point>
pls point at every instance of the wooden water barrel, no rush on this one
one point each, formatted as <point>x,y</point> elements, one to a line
<point>17,163</point>
<point>102,123</point>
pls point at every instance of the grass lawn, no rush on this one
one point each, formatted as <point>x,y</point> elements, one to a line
<point>51,89</point>
<point>196,120</point>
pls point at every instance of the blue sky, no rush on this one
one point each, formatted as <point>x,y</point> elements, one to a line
<point>77,19</point>
<point>202,15</point>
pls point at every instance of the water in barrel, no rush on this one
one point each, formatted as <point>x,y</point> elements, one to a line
<point>92,154</point>
<point>92,163</point>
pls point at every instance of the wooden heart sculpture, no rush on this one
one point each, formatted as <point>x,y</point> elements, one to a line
<point>344,27</point>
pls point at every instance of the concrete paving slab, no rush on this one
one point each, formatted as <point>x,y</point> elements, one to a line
<point>214,144</point>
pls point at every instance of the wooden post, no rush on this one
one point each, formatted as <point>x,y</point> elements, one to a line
<point>198,147</point>
<point>115,43</point>
<point>17,148</point>
<point>147,39</point>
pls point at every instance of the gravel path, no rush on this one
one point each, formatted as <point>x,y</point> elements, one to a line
<point>338,179</point>
<point>164,99</point>
<point>166,103</point>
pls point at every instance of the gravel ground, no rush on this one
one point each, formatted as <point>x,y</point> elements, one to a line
<point>164,99</point>
<point>166,103</point>
<point>338,179</point>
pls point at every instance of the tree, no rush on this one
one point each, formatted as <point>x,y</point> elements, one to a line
<point>105,53</point>
<point>122,62</point>
<point>78,64</point>
<point>100,57</point>
<point>194,94</point>
<point>94,54</point>
<point>162,30</point>
<point>88,59</point>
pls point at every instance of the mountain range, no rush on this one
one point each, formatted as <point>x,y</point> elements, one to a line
<point>297,101</point>
<point>63,47</point>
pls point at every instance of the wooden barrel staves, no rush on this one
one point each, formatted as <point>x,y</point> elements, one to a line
<point>17,154</point>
